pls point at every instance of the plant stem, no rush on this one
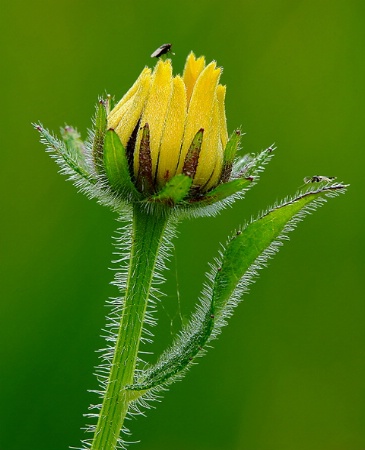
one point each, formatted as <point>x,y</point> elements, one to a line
<point>146,239</point>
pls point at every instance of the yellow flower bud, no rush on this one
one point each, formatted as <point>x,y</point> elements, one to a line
<point>179,121</point>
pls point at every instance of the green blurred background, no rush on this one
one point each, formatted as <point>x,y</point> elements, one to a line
<point>288,373</point>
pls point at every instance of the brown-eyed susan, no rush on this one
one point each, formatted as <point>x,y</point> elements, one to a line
<point>165,142</point>
<point>164,148</point>
<point>172,125</point>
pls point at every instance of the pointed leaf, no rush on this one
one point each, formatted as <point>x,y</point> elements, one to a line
<point>180,356</point>
<point>246,251</point>
<point>258,241</point>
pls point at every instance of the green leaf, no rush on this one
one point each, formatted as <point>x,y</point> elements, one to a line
<point>174,191</point>
<point>251,247</point>
<point>116,165</point>
<point>99,134</point>
<point>248,250</point>
<point>177,359</point>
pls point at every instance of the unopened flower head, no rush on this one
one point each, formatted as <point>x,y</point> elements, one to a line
<point>165,143</point>
<point>174,124</point>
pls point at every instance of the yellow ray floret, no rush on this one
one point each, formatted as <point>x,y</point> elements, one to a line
<point>193,68</point>
<point>155,110</point>
<point>173,133</point>
<point>211,156</point>
<point>221,94</point>
<point>124,117</point>
<point>199,116</point>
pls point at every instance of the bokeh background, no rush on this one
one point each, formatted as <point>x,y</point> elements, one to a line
<point>288,373</point>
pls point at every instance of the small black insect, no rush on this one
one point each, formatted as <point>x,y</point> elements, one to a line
<point>318,179</point>
<point>162,50</point>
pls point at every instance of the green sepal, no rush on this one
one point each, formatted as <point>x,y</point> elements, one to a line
<point>232,147</point>
<point>99,134</point>
<point>75,146</point>
<point>174,190</point>
<point>225,190</point>
<point>252,165</point>
<point>229,155</point>
<point>248,168</point>
<point>109,103</point>
<point>116,165</point>
<point>69,154</point>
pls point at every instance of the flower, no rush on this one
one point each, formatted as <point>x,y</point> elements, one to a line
<point>164,145</point>
<point>172,125</point>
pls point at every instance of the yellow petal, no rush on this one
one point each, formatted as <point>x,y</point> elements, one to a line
<point>123,119</point>
<point>203,103</point>
<point>211,154</point>
<point>155,110</point>
<point>221,94</point>
<point>192,70</point>
<point>172,134</point>
<point>117,112</point>
<point>217,172</point>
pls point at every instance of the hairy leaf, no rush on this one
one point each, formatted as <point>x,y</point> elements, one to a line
<point>251,247</point>
<point>236,268</point>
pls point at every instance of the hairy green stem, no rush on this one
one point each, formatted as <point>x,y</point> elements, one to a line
<point>146,239</point>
